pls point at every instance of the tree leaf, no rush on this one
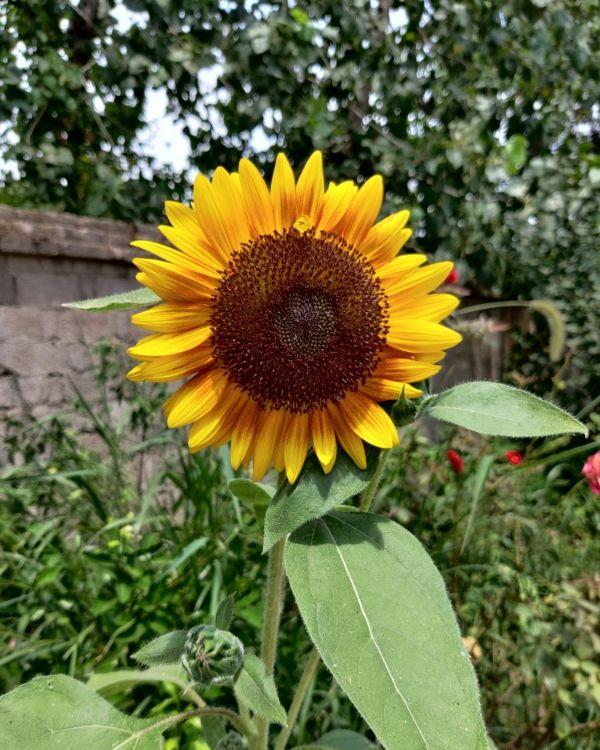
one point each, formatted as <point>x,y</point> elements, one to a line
<point>166,649</point>
<point>344,739</point>
<point>376,608</point>
<point>125,301</point>
<point>109,683</point>
<point>314,494</point>
<point>224,614</point>
<point>59,713</point>
<point>498,409</point>
<point>257,690</point>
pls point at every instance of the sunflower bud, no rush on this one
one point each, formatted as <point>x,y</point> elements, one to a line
<point>404,411</point>
<point>232,741</point>
<point>212,656</point>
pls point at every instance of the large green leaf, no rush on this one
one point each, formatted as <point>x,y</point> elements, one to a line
<point>257,690</point>
<point>344,739</point>
<point>376,608</point>
<point>314,494</point>
<point>125,301</point>
<point>497,409</point>
<point>59,713</point>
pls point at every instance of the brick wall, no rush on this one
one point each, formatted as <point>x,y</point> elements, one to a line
<point>47,259</point>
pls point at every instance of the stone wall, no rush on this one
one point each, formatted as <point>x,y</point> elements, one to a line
<point>50,258</point>
<point>47,259</point>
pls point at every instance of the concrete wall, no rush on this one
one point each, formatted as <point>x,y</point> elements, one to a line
<point>47,259</point>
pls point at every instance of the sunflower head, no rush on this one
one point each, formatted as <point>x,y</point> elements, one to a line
<point>291,315</point>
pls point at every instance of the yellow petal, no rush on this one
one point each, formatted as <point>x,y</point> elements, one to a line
<point>256,199</point>
<point>368,420</point>
<point>279,452</point>
<point>336,201</point>
<point>208,263</point>
<point>431,357</point>
<point>401,264</point>
<point>170,317</point>
<point>406,370</point>
<point>311,188</point>
<point>227,193</point>
<point>419,336</point>
<point>349,440</point>
<point>173,283</point>
<point>418,282</point>
<point>296,445</point>
<point>213,219</point>
<point>323,438</point>
<point>243,434</point>
<point>383,389</point>
<point>183,217</point>
<point>283,194</point>
<point>363,210</point>
<point>267,435</point>
<point>205,430</point>
<point>177,367</point>
<point>433,307</point>
<point>177,258</point>
<point>195,398</point>
<point>165,344</point>
<point>386,238</point>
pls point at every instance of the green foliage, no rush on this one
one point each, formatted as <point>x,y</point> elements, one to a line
<point>126,301</point>
<point>497,409</point>
<point>404,646</point>
<point>59,713</point>
<point>257,690</point>
<point>80,593</point>
<point>314,494</point>
<point>166,649</point>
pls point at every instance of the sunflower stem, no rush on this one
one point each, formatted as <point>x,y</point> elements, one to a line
<point>296,704</point>
<point>367,497</point>
<point>270,631</point>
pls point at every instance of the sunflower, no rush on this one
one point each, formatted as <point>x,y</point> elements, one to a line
<point>290,315</point>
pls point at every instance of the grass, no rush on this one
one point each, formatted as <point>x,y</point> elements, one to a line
<point>103,548</point>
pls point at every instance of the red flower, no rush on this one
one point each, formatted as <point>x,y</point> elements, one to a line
<point>514,457</point>
<point>452,277</point>
<point>455,461</point>
<point>591,471</point>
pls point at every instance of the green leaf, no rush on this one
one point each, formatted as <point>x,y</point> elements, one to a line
<point>109,683</point>
<point>483,469</point>
<point>251,493</point>
<point>126,301</point>
<point>314,494</point>
<point>516,153</point>
<point>257,690</point>
<point>166,649</point>
<point>344,739</point>
<point>376,608</point>
<point>224,614</point>
<point>497,409</point>
<point>59,713</point>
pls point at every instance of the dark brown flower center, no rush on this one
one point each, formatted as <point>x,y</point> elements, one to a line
<point>298,320</point>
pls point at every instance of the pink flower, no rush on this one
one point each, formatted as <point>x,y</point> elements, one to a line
<point>514,457</point>
<point>452,277</point>
<point>591,471</point>
<point>455,461</point>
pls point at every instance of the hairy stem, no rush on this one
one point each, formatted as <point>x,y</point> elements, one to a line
<point>270,631</point>
<point>305,681</point>
<point>169,721</point>
<point>367,497</point>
